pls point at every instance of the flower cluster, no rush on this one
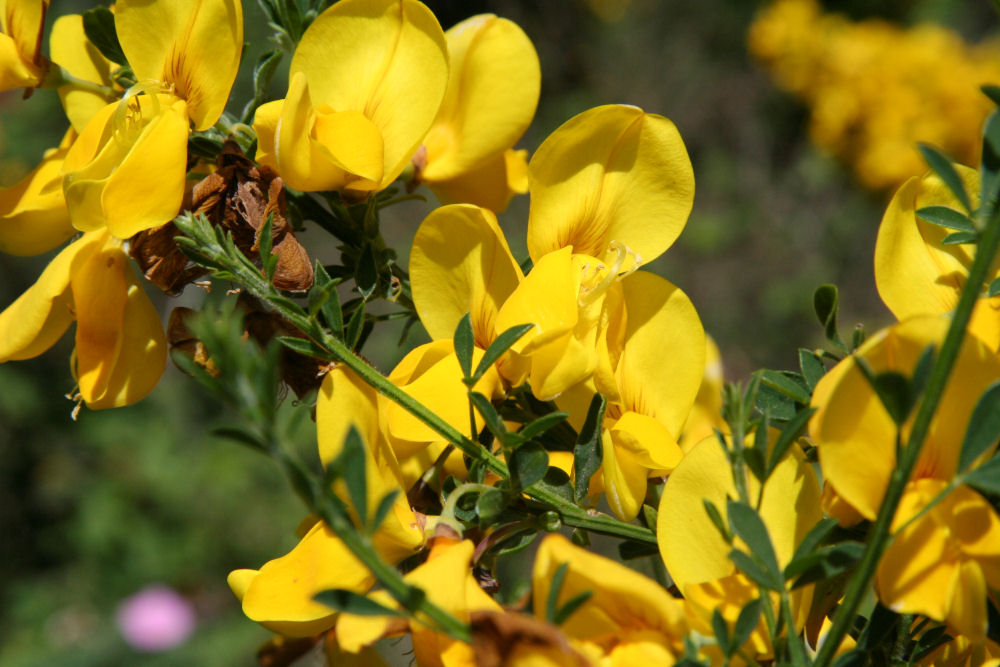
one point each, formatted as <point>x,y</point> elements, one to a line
<point>875,89</point>
<point>569,390</point>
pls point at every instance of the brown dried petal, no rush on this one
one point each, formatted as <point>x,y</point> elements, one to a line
<point>496,635</point>
<point>182,340</point>
<point>161,261</point>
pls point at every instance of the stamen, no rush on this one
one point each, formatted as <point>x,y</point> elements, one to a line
<point>588,294</point>
<point>127,120</point>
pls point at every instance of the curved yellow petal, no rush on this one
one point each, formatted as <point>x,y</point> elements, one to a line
<point>852,422</point>
<point>192,45</point>
<point>73,52</point>
<point>493,85</point>
<point>647,440</point>
<point>490,185</point>
<point>134,178</point>
<point>265,124</point>
<point>345,401</point>
<point>914,273</point>
<point>386,59</point>
<point>142,355</point>
<point>691,546</point>
<point>21,62</point>
<point>33,217</point>
<point>280,596</point>
<point>706,414</point>
<point>40,316</point>
<point>663,361</point>
<point>460,263</point>
<point>621,599</point>
<point>610,174</point>
<point>624,477</point>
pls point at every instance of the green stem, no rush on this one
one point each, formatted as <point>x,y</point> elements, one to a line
<point>214,248</point>
<point>57,77</point>
<point>879,536</point>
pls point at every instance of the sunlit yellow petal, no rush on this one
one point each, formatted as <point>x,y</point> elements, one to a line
<point>280,596</point>
<point>135,181</point>
<point>663,362</point>
<point>493,86</point>
<point>613,173</point>
<point>384,58</point>
<point>73,52</point>
<point>621,598</point>
<point>624,478</point>
<point>460,263</point>
<point>21,64</point>
<point>194,47</point>
<point>33,217</point>
<point>265,124</point>
<point>491,185</point>
<point>647,440</point>
<point>40,316</point>
<point>353,142</point>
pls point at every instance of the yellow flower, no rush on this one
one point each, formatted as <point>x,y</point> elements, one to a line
<point>628,617</point>
<point>33,217</point>
<point>916,274</point>
<point>697,556</point>
<point>127,170</point>
<point>940,564</point>
<point>21,31</point>
<point>706,415</point>
<point>493,85</point>
<point>72,51</point>
<point>365,85</point>
<point>120,348</point>
<point>279,596</point>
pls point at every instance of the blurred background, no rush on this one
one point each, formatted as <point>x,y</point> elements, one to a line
<point>792,177</point>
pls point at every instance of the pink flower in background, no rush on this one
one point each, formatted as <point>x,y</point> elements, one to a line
<point>155,619</point>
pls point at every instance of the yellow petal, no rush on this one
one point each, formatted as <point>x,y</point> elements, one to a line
<point>691,546</point>
<point>647,440</point>
<point>40,316</point>
<point>914,273</point>
<point>135,178</point>
<point>33,217</point>
<point>624,478</point>
<point>663,360</point>
<point>493,86</point>
<point>353,141</point>
<point>621,599</point>
<point>386,59</point>
<point>460,263</point>
<point>968,604</point>
<point>194,47</point>
<point>490,185</point>
<point>265,124</point>
<point>706,414</point>
<point>852,422</point>
<point>613,173</point>
<point>21,64</point>
<point>73,51</point>
<point>280,596</point>
<point>345,401</point>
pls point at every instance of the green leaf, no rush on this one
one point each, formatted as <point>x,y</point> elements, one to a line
<point>650,516</point>
<point>986,477</point>
<point>542,424</point>
<point>99,26</point>
<point>922,371</point>
<point>721,631</point>
<point>351,465</point>
<point>555,587</point>
<point>853,658</point>
<point>465,343</point>
<point>490,415</point>
<point>789,434</point>
<point>779,406</point>
<point>992,92</point>
<point>748,525</point>
<point>943,167</point>
<point>263,70</point>
<point>984,427</point>
<point>305,347</point>
<point>265,247</point>
<point>893,389</point>
<point>825,300</point>
<point>349,602</point>
<point>990,165</point>
<point>498,347</point>
<point>946,217</point>
<point>558,481</point>
<point>571,606</point>
<point>352,336</point>
<point>330,309</point>
<point>528,464</point>
<point>383,509</point>
<point>789,384</point>
<point>994,288</point>
<point>516,543</point>
<point>716,518</point>
<point>240,435</point>
<point>755,572</point>
<point>959,238</point>
<point>754,458</point>
<point>746,623</point>
<point>628,550</point>
<point>366,271</point>
<point>881,625</point>
<point>489,504</point>
<point>825,563</point>
<point>588,452</point>
<point>812,367</point>
<point>815,537</point>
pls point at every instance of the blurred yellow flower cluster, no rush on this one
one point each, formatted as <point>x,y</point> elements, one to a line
<point>875,89</point>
